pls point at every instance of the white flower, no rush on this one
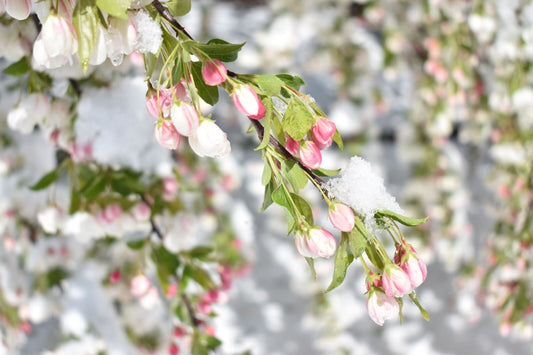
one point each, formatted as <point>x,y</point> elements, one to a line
<point>50,219</point>
<point>56,43</point>
<point>209,140</point>
<point>31,111</point>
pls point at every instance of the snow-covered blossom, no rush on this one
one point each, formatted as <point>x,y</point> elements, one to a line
<point>361,188</point>
<point>56,43</point>
<point>209,140</point>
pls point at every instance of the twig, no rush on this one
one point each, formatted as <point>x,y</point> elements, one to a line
<point>195,321</point>
<point>155,227</point>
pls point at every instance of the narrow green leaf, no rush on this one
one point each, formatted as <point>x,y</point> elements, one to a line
<point>311,264</point>
<point>270,84</point>
<point>423,312</point>
<point>94,187</point>
<point>400,308</point>
<point>201,277</point>
<point>326,172</point>
<point>406,221</point>
<point>46,180</point>
<point>74,201</point>
<point>267,123</point>
<point>18,68</point>
<point>220,49</point>
<point>267,174</point>
<point>208,93</point>
<point>179,7</point>
<point>296,177</point>
<point>267,198</point>
<point>297,120</point>
<point>292,80</point>
<point>137,244</point>
<point>343,259</point>
<point>165,259</point>
<point>85,21</point>
<point>338,139</point>
<point>117,8</point>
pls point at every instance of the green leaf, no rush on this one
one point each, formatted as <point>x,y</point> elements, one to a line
<point>270,84</point>
<point>85,21</point>
<point>406,221</point>
<point>303,207</point>
<point>220,49</point>
<point>297,120</point>
<point>267,198</point>
<point>297,177</point>
<point>338,139</point>
<point>279,196</point>
<point>326,172</point>
<point>94,187</point>
<point>423,312</point>
<point>203,253</point>
<point>179,7</point>
<point>165,260</point>
<point>18,68</point>
<point>343,259</point>
<point>267,174</point>
<point>292,80</point>
<point>117,8</point>
<point>358,242</point>
<point>201,277</point>
<point>46,180</point>
<point>311,264</point>
<point>208,93</point>
<point>74,201</point>
<point>267,123</point>
<point>137,244</point>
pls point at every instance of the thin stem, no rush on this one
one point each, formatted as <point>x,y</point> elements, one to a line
<point>168,16</point>
<point>194,320</point>
<point>155,227</point>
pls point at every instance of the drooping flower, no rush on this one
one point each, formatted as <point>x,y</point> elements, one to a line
<point>246,101</point>
<point>409,261</point>
<point>323,131</point>
<point>310,155</point>
<point>292,145</point>
<point>166,135</point>
<point>214,72</point>
<point>381,307</point>
<point>341,216</point>
<point>18,9</point>
<point>185,118</point>
<point>209,140</point>
<point>396,283</point>
<point>56,43</point>
<point>315,242</point>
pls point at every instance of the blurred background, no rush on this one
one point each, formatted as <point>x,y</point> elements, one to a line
<point>438,97</point>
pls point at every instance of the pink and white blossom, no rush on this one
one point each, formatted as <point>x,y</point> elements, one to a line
<point>323,131</point>
<point>18,9</point>
<point>210,141</point>
<point>310,155</point>
<point>395,281</point>
<point>246,101</point>
<point>342,217</point>
<point>166,135</point>
<point>315,242</point>
<point>380,306</point>
<point>56,43</point>
<point>214,72</point>
<point>185,118</point>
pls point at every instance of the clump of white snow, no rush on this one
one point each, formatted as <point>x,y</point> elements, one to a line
<point>359,187</point>
<point>149,34</point>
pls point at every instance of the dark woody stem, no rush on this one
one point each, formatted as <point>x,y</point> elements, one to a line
<point>258,127</point>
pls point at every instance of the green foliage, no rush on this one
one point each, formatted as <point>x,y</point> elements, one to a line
<point>45,181</point>
<point>117,8</point>
<point>86,22</point>
<point>406,221</point>
<point>208,93</point>
<point>267,123</point>
<point>219,49</point>
<point>270,84</point>
<point>179,7</point>
<point>343,259</point>
<point>53,277</point>
<point>18,68</point>
<point>297,120</point>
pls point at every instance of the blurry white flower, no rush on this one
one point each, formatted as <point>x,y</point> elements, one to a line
<point>56,43</point>
<point>209,140</point>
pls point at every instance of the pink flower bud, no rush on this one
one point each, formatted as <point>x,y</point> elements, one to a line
<point>342,217</point>
<point>185,118</point>
<point>115,276</point>
<point>381,307</point>
<point>173,349</point>
<point>152,105</point>
<point>56,43</point>
<point>111,213</point>
<point>170,186</point>
<point>246,101</point>
<point>317,242</point>
<point>166,135</point>
<point>323,131</point>
<point>141,212</point>
<point>292,146</point>
<point>395,281</point>
<point>415,269</point>
<point>310,155</point>
<point>214,72</point>
<point>209,140</point>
